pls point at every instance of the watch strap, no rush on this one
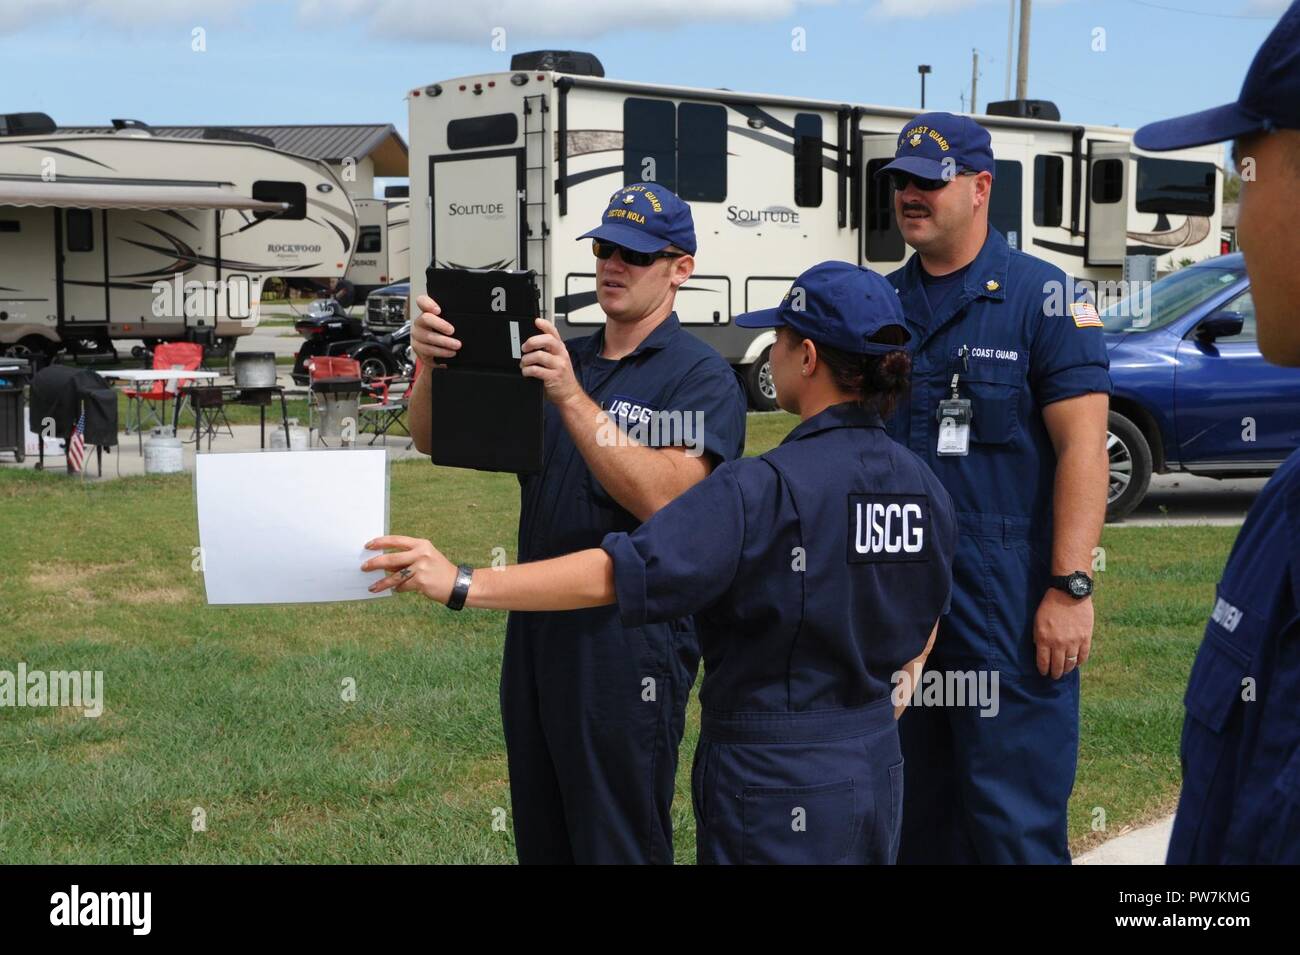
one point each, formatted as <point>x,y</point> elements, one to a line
<point>460,590</point>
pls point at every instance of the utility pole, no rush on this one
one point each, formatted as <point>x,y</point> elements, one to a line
<point>1011,39</point>
<point>923,69</point>
<point>974,79</point>
<point>1022,61</point>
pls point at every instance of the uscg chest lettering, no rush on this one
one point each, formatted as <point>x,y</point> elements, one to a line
<point>887,528</point>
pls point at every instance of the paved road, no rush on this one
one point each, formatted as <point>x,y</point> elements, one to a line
<point>1180,499</point>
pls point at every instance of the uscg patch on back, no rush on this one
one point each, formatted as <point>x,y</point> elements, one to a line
<point>886,528</point>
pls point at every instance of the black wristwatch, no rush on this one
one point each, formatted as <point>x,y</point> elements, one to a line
<point>1078,584</point>
<point>460,590</point>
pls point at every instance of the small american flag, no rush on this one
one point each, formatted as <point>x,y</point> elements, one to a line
<point>77,446</point>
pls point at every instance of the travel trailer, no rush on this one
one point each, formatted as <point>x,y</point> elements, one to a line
<point>508,169</point>
<point>127,235</point>
<point>383,252</point>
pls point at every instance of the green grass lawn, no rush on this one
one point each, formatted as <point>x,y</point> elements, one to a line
<point>239,711</point>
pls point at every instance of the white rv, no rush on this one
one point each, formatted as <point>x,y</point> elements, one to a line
<point>91,224</point>
<point>383,252</point>
<point>507,169</point>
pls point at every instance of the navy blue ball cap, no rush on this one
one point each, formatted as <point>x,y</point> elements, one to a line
<point>939,145</point>
<point>839,305</point>
<point>1269,99</point>
<point>646,217</point>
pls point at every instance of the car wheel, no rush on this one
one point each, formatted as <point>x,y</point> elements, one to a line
<point>1130,466</point>
<point>758,382</point>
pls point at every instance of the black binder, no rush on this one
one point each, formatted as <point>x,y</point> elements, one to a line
<point>486,414</point>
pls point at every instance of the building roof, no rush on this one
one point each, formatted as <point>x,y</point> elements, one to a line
<point>331,143</point>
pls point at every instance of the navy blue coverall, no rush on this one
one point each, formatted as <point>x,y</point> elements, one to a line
<point>815,572</point>
<point>994,789</point>
<point>591,745</point>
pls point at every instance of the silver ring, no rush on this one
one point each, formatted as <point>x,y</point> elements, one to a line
<point>1070,659</point>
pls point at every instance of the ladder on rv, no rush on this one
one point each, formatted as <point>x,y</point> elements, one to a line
<point>535,197</point>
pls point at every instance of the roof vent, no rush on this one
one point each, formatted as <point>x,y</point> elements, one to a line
<point>558,61</point>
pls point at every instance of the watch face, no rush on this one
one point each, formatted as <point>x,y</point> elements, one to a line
<point>1080,585</point>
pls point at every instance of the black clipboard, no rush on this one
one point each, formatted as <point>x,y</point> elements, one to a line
<point>485,414</point>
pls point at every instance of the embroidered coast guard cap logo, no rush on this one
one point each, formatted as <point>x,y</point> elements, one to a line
<point>646,217</point>
<point>940,145</point>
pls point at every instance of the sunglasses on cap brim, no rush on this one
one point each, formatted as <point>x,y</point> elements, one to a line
<point>606,250</point>
<point>900,180</point>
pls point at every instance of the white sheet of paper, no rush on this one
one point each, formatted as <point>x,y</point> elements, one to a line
<point>290,526</point>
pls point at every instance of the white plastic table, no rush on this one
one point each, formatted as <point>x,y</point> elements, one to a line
<point>160,374</point>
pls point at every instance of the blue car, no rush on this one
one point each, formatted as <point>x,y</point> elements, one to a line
<point>1192,392</point>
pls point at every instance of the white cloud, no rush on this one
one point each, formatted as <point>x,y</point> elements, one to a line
<point>473,22</point>
<point>920,9</point>
<point>16,15</point>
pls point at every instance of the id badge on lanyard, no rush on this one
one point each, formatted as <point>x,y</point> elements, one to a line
<point>954,415</point>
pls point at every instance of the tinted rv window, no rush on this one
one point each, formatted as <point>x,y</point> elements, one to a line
<point>477,132</point>
<point>1049,190</point>
<point>370,239</point>
<point>883,241</point>
<point>650,141</point>
<point>9,225</point>
<point>807,159</point>
<point>1175,186</point>
<point>1108,180</point>
<point>1005,211</point>
<point>702,152</point>
<point>81,230</point>
<point>294,193</point>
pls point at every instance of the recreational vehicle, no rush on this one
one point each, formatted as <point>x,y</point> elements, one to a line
<point>127,235</point>
<point>508,169</point>
<point>383,252</point>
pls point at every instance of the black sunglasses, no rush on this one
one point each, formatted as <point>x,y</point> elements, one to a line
<point>606,250</point>
<point>899,180</point>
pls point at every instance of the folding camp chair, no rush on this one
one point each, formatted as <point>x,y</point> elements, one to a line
<point>388,410</point>
<point>180,356</point>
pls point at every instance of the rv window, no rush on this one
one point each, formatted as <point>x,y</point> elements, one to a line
<point>1005,211</point>
<point>370,240</point>
<point>478,132</point>
<point>1175,186</point>
<point>294,193</point>
<point>1049,190</point>
<point>1107,181</point>
<point>884,243</point>
<point>81,230</point>
<point>702,152</point>
<point>807,159</point>
<point>9,225</point>
<point>650,141</point>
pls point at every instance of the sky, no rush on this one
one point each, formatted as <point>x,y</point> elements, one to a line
<point>1108,62</point>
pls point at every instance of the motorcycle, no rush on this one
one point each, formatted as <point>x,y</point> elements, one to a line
<point>330,330</point>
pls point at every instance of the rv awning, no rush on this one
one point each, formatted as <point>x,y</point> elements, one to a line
<point>82,195</point>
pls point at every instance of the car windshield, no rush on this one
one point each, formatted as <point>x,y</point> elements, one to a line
<point>1168,299</point>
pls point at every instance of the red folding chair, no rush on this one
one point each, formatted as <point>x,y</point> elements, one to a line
<point>178,356</point>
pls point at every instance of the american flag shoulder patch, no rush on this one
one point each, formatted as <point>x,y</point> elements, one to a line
<point>1085,315</point>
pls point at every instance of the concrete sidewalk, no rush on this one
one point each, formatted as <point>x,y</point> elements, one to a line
<point>1145,846</point>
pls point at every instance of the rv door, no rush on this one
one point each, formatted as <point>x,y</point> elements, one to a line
<point>83,278</point>
<point>882,246</point>
<point>477,210</point>
<point>1106,231</point>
